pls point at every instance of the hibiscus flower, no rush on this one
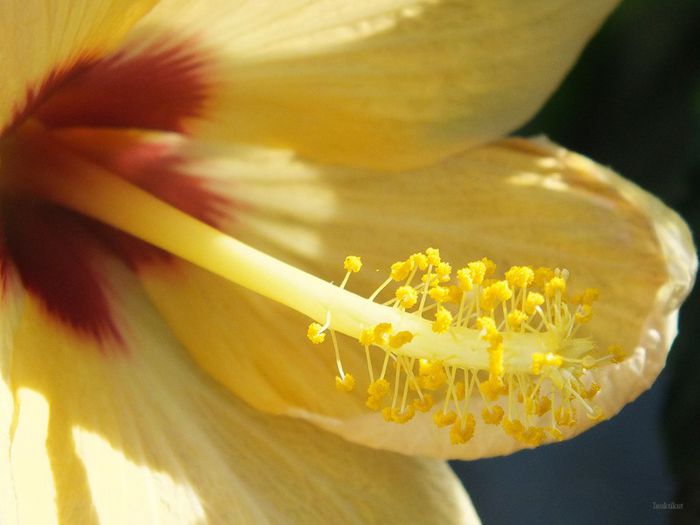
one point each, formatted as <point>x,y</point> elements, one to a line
<point>181,182</point>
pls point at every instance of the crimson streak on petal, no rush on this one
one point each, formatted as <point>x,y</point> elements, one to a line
<point>158,88</point>
<point>58,261</point>
<point>90,111</point>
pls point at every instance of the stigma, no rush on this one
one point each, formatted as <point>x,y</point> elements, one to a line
<point>448,340</point>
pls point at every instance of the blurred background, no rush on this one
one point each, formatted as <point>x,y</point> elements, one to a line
<point>632,103</point>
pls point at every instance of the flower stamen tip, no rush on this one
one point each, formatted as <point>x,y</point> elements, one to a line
<point>508,349</point>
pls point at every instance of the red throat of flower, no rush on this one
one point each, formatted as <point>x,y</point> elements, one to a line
<point>128,114</point>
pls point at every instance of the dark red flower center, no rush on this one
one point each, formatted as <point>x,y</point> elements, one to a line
<point>107,111</point>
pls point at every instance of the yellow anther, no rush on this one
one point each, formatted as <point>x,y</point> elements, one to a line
<point>542,275</point>
<point>591,391</point>
<point>496,361</point>
<point>459,391</point>
<point>430,279</point>
<point>537,363</point>
<point>420,260</point>
<point>554,285</point>
<point>516,318</point>
<point>431,374</point>
<point>477,271</point>
<point>540,360</point>
<point>433,255</point>
<point>464,278</point>
<point>454,294</point>
<point>537,406</point>
<point>492,388</point>
<point>376,392</point>
<point>386,414</point>
<point>489,332</point>
<point>520,276</point>
<point>443,419</point>
<point>366,337</point>
<point>407,296</point>
<point>618,354</point>
<point>425,404</point>
<point>489,266</point>
<point>401,269</point>
<point>382,333</point>
<point>565,417</point>
<point>487,324</point>
<point>439,294</point>
<point>352,263</point>
<point>533,436</point>
<point>532,301</point>
<point>513,427</point>
<point>443,271</point>
<point>494,294</point>
<point>492,416</point>
<point>543,406</point>
<point>462,430</point>
<point>555,433</point>
<point>315,333</point>
<point>584,314</point>
<point>400,339</point>
<point>379,388</point>
<point>426,367</point>
<point>345,384</point>
<point>403,417</point>
<point>553,360</point>
<point>443,320</point>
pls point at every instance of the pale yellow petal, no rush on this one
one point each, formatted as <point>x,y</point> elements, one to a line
<point>41,41</point>
<point>383,83</point>
<point>517,202</point>
<point>11,301</point>
<point>146,437</point>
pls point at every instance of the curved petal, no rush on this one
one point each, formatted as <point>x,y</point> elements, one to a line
<point>517,202</point>
<point>144,436</point>
<point>390,84</point>
<point>43,42</point>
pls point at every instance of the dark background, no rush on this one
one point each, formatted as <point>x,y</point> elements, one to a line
<point>633,103</point>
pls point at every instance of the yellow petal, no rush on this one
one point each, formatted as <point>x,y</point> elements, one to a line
<point>41,41</point>
<point>11,299</point>
<point>145,437</point>
<point>516,202</point>
<point>389,84</point>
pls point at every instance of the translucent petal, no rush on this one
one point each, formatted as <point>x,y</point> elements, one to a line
<point>389,84</point>
<point>517,202</point>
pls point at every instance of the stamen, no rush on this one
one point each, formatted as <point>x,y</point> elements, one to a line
<point>352,264</point>
<point>500,331</point>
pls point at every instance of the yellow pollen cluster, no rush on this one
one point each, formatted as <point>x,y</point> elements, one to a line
<point>443,320</point>
<point>407,296</point>
<point>353,264</point>
<point>315,333</point>
<point>506,349</point>
<point>346,384</point>
<point>520,276</point>
<point>548,359</point>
